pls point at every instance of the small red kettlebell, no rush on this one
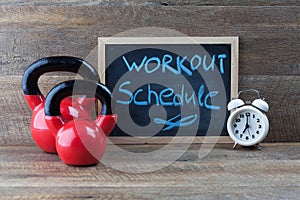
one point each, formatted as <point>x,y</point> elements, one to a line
<point>35,99</point>
<point>80,141</point>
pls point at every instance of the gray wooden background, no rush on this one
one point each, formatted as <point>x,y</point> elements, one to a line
<point>269,58</point>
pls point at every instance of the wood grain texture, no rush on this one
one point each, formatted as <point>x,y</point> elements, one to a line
<point>283,95</point>
<point>279,92</point>
<point>268,34</point>
<point>271,173</point>
<point>153,3</point>
<point>268,60</point>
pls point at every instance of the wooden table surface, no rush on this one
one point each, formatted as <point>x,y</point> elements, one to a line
<point>246,173</point>
<point>268,61</point>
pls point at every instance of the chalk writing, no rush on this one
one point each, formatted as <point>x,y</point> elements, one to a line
<point>179,123</point>
<point>195,62</point>
<point>161,97</point>
<point>189,83</point>
<point>167,97</point>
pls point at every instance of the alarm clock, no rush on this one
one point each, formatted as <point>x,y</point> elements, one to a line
<point>248,124</point>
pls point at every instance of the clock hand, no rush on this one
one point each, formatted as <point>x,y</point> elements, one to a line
<point>245,128</point>
<point>249,133</point>
<point>247,125</point>
<point>248,128</point>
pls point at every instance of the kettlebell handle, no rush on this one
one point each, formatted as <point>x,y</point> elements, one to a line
<point>90,89</point>
<point>55,63</point>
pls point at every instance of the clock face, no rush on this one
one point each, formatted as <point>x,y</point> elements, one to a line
<point>247,126</point>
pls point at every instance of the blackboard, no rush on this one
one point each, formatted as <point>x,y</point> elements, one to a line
<point>167,86</point>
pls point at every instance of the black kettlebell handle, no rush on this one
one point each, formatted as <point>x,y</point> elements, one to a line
<point>52,64</point>
<point>90,89</point>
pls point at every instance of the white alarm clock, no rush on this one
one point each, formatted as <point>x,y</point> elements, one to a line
<point>248,124</point>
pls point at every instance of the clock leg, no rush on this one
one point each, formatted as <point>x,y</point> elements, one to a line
<point>234,146</point>
<point>258,146</point>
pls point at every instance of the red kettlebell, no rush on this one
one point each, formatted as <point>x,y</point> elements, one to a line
<point>80,141</point>
<point>35,99</point>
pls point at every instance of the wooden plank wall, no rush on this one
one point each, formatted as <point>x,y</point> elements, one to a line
<point>269,34</point>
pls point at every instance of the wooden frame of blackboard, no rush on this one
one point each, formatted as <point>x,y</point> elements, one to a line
<point>233,41</point>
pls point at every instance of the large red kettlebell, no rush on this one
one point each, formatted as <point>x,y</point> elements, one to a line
<point>80,141</point>
<point>35,99</point>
